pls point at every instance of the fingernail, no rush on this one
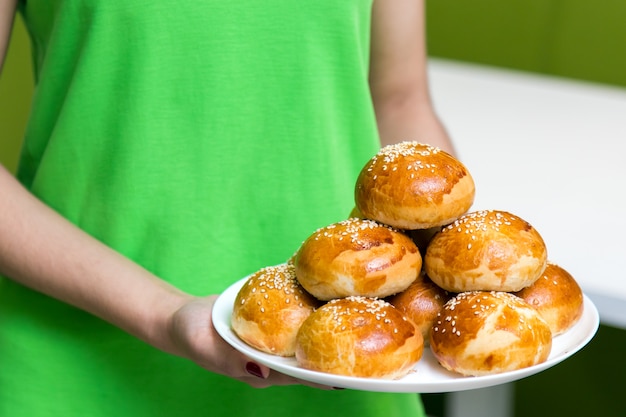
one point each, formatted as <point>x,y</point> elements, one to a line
<point>254,369</point>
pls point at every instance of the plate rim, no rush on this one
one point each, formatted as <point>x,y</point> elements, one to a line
<point>450,381</point>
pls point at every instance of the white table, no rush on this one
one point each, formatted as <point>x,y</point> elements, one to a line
<point>551,151</point>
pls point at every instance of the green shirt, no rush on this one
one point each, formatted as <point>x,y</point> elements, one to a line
<point>204,140</point>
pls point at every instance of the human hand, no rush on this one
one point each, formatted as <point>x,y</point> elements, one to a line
<point>192,333</point>
<point>103,282</point>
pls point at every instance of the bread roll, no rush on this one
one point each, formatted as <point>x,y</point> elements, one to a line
<point>413,186</point>
<point>486,250</point>
<point>357,257</point>
<point>557,297</point>
<point>480,333</point>
<point>269,309</point>
<point>360,337</point>
<point>421,303</point>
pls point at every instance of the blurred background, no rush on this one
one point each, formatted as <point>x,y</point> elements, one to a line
<point>573,39</point>
<point>16,87</point>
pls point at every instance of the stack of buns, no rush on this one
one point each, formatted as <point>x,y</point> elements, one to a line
<point>412,267</point>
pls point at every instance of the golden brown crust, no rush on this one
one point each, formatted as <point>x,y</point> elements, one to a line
<point>481,333</point>
<point>414,186</point>
<point>361,337</point>
<point>557,296</point>
<point>487,250</point>
<point>421,303</point>
<point>270,308</point>
<point>357,257</point>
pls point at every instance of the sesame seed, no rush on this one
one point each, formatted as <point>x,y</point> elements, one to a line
<point>351,228</point>
<point>273,279</point>
<point>388,155</point>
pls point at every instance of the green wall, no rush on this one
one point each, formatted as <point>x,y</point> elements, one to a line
<point>579,39</point>
<point>16,87</point>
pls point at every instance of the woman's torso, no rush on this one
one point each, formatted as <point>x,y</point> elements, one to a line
<point>204,140</point>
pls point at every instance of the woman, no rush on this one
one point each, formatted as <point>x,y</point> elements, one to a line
<point>172,149</point>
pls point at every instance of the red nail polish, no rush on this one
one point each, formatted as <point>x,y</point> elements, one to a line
<point>254,369</point>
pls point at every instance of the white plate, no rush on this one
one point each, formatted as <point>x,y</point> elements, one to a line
<point>427,376</point>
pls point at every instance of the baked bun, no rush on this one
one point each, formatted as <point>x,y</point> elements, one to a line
<point>360,337</point>
<point>357,257</point>
<point>413,186</point>
<point>486,251</point>
<point>269,309</point>
<point>557,297</point>
<point>421,303</point>
<point>481,333</point>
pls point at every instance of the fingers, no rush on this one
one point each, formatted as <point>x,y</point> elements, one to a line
<point>255,374</point>
<point>196,338</point>
<point>255,369</point>
<point>269,377</point>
